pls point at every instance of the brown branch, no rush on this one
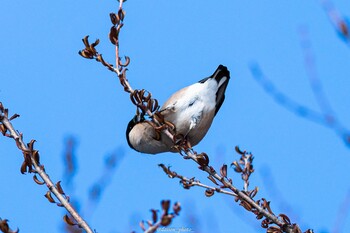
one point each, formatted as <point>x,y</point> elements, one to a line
<point>261,208</point>
<point>187,183</point>
<point>165,218</point>
<point>31,163</point>
<point>242,196</point>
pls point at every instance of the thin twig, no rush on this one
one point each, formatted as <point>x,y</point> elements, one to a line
<point>242,195</point>
<point>164,220</point>
<point>197,183</point>
<point>41,172</point>
<point>187,182</point>
<point>153,228</point>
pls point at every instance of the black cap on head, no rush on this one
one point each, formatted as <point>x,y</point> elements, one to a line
<point>138,118</point>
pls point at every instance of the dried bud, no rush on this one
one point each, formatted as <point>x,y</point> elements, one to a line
<point>89,51</point>
<point>4,227</point>
<point>209,192</point>
<point>3,129</point>
<point>121,14</point>
<point>59,188</point>
<point>14,117</point>
<point>246,205</point>
<point>36,156</point>
<point>265,223</point>
<point>211,178</point>
<point>177,208</point>
<point>223,170</point>
<point>167,170</point>
<point>166,220</point>
<point>114,18</point>
<point>253,192</point>
<point>165,206</point>
<point>113,35</point>
<point>285,219</point>
<point>127,61</point>
<point>154,216</point>
<point>68,220</point>
<point>202,159</point>
<point>36,180</point>
<point>239,151</point>
<point>237,167</point>
<point>24,167</point>
<point>49,197</point>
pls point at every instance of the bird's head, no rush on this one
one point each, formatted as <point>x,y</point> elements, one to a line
<point>138,118</point>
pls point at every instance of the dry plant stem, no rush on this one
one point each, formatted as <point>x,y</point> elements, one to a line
<point>246,182</point>
<point>117,46</point>
<point>15,135</point>
<point>241,195</point>
<point>153,228</point>
<point>117,58</point>
<point>197,183</point>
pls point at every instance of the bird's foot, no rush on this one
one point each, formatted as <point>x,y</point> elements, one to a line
<point>182,143</point>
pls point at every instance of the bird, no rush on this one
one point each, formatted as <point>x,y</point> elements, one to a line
<point>191,110</point>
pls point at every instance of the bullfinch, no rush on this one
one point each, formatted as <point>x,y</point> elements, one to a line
<point>191,109</point>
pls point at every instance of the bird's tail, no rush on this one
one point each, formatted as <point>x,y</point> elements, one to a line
<point>221,72</point>
<point>222,76</point>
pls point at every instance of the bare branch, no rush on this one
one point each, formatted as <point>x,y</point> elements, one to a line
<point>164,219</point>
<point>187,183</point>
<point>32,164</point>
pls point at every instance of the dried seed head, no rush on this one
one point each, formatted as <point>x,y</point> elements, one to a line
<point>68,220</point>
<point>203,159</point>
<point>223,170</point>
<point>166,220</point>
<point>154,216</point>
<point>114,18</point>
<point>165,206</point>
<point>209,192</point>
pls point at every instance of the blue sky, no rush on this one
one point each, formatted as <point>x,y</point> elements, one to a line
<point>301,166</point>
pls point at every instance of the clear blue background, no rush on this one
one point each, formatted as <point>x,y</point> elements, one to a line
<point>302,167</point>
